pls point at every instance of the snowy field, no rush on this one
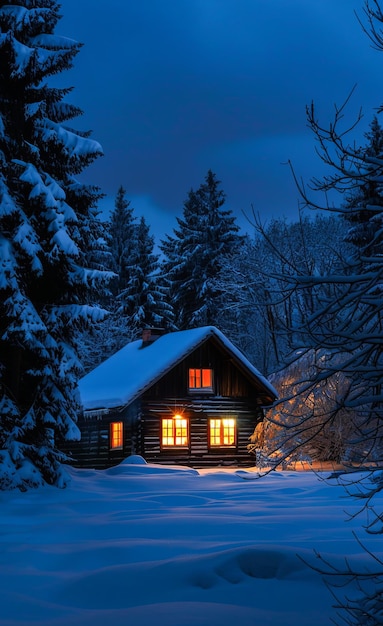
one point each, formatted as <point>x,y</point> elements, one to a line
<point>150,545</point>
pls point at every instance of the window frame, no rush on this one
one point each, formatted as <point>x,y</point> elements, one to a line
<point>116,436</point>
<point>221,445</point>
<point>192,375</point>
<point>173,421</point>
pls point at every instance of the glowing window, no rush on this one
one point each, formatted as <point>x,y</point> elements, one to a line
<point>222,431</point>
<point>116,435</point>
<point>175,431</point>
<point>201,379</point>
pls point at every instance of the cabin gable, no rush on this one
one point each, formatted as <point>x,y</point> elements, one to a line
<point>227,379</point>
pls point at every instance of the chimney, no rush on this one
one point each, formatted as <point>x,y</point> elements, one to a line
<point>149,335</point>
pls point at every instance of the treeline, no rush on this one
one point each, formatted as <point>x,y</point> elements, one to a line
<point>210,274</point>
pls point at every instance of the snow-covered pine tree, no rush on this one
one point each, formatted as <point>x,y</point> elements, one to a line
<point>138,296</point>
<point>178,264</point>
<point>144,298</point>
<point>365,200</point>
<point>194,255</point>
<point>46,225</point>
<point>113,332</point>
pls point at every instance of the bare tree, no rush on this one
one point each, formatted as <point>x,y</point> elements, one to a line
<point>345,328</point>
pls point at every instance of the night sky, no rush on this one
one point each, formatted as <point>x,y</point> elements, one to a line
<point>171,88</point>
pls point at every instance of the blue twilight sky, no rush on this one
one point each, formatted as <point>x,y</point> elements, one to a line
<point>171,88</point>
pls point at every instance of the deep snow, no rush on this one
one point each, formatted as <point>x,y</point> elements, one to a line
<point>144,544</point>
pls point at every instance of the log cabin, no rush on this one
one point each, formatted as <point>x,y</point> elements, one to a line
<point>181,398</point>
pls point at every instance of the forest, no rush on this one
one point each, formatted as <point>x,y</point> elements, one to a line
<point>302,300</point>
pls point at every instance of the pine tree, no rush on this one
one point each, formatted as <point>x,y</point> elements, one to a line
<point>144,298</point>
<point>363,205</point>
<point>194,256</point>
<point>138,297</point>
<point>47,224</point>
<point>121,239</point>
<point>137,300</point>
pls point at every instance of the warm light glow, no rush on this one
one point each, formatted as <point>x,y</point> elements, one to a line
<point>116,435</point>
<point>222,432</point>
<point>175,431</point>
<point>200,378</point>
<point>228,431</point>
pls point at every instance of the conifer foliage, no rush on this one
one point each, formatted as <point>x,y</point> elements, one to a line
<point>365,200</point>
<point>139,295</point>
<point>144,298</point>
<point>121,236</point>
<point>45,230</point>
<point>206,234</point>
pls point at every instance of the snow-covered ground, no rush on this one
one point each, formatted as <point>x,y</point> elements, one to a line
<point>143,544</point>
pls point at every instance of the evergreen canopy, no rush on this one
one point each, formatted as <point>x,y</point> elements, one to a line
<point>47,224</point>
<point>206,234</point>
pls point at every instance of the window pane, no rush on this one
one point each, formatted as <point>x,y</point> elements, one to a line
<point>228,432</point>
<point>197,378</point>
<point>215,432</point>
<point>200,378</point>
<point>206,378</point>
<point>191,378</point>
<point>181,432</point>
<point>167,433</point>
<point>116,435</point>
<point>175,432</point>
<point>222,432</point>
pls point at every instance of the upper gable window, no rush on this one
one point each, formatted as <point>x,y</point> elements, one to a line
<point>200,379</point>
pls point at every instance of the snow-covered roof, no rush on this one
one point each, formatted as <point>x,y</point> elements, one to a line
<point>132,370</point>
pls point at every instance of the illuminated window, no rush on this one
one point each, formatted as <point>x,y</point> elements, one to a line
<point>222,431</point>
<point>116,436</point>
<point>201,379</point>
<point>175,431</point>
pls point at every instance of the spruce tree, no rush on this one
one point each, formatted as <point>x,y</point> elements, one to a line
<point>194,256</point>
<point>138,296</point>
<point>365,200</point>
<point>121,239</point>
<point>144,298</point>
<point>47,224</point>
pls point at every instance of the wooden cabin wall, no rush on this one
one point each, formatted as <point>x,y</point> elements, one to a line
<point>93,451</point>
<point>198,411</point>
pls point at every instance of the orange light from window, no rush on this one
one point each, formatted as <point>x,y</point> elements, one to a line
<point>167,433</point>
<point>215,432</point>
<point>116,435</point>
<point>228,426</point>
<point>222,432</point>
<point>175,431</point>
<point>207,378</point>
<point>200,378</point>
